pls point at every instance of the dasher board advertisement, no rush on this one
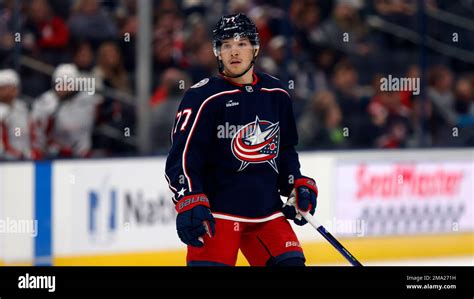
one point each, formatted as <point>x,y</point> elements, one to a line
<point>393,198</point>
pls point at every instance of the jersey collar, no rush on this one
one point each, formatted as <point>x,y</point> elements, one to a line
<point>254,82</point>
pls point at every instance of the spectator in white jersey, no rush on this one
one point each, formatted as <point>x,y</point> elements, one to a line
<point>64,115</point>
<point>15,137</point>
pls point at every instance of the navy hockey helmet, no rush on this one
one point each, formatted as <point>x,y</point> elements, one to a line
<point>234,26</point>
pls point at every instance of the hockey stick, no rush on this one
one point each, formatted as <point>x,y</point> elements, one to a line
<point>327,235</point>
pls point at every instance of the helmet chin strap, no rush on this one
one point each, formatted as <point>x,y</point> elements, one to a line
<point>241,74</point>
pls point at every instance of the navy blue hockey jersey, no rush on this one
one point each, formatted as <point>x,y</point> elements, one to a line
<point>235,143</point>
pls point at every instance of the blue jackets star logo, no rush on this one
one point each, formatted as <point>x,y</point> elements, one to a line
<point>257,142</point>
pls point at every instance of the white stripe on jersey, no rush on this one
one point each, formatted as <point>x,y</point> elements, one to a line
<point>169,184</point>
<point>250,220</point>
<point>275,89</point>
<point>192,130</point>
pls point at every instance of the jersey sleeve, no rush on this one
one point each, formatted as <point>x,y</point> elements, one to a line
<point>289,162</point>
<point>191,135</point>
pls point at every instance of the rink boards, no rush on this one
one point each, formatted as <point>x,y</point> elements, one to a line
<point>380,204</point>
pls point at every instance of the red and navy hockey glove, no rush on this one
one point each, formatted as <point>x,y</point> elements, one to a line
<point>194,219</point>
<point>306,196</point>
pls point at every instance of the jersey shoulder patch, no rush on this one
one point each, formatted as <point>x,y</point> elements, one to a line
<point>200,83</point>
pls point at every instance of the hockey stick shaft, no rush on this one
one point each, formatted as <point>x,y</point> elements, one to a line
<point>323,231</point>
<point>331,239</point>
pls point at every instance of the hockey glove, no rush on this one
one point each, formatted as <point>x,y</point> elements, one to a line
<point>306,195</point>
<point>194,219</point>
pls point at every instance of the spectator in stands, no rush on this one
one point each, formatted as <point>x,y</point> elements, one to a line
<point>441,95</point>
<point>83,58</point>
<point>126,16</point>
<point>464,99</point>
<point>464,105</point>
<point>44,37</point>
<point>305,17</point>
<point>163,56</point>
<point>195,34</point>
<point>235,6</point>
<point>116,112</point>
<point>345,86</point>
<point>7,37</point>
<point>324,60</point>
<point>127,22</point>
<point>274,61</point>
<point>64,117</point>
<point>422,111</point>
<point>343,31</point>
<point>203,63</point>
<point>110,71</point>
<point>168,6</point>
<point>398,13</point>
<point>198,52</point>
<point>49,32</point>
<point>15,133</point>
<point>267,19</point>
<point>320,126</point>
<point>89,21</point>
<point>168,44</point>
<point>389,126</point>
<point>163,117</point>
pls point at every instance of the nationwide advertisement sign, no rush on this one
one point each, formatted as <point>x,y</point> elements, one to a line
<point>113,206</point>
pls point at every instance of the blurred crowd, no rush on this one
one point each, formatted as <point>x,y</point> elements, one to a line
<point>324,52</point>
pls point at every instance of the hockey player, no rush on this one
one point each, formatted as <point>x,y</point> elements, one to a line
<point>64,116</point>
<point>231,158</point>
<point>15,124</point>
